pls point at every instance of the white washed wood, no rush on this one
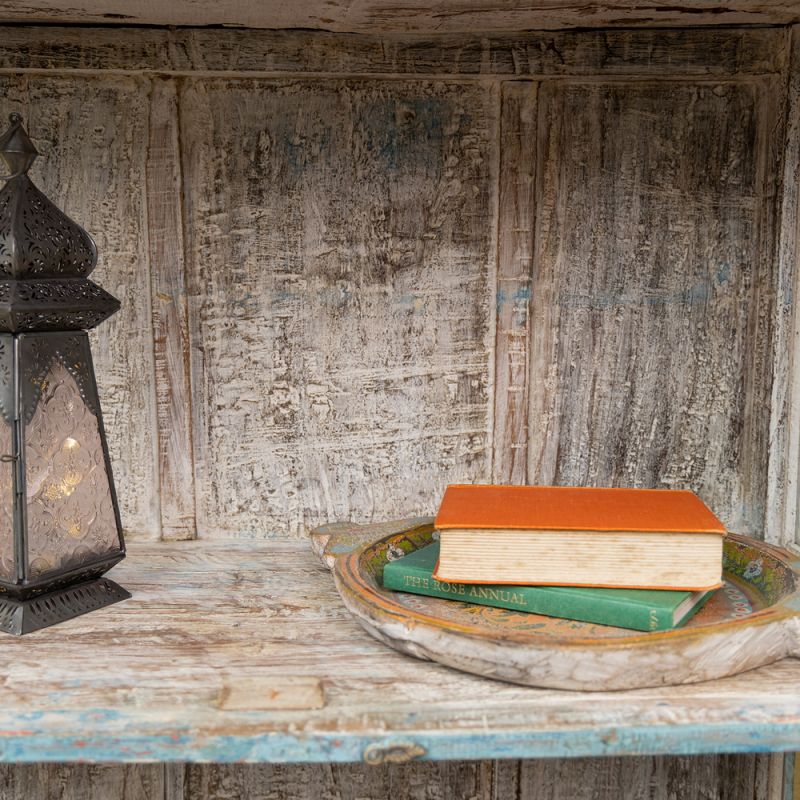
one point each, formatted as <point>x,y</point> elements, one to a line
<point>339,247</point>
<point>205,615</point>
<point>366,16</point>
<point>783,496</point>
<point>643,52</point>
<point>516,221</point>
<point>632,51</point>
<point>170,316</point>
<point>654,289</point>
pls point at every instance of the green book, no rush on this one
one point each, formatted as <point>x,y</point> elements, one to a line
<point>639,609</point>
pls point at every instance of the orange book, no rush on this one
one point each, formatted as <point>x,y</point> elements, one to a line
<point>571,536</point>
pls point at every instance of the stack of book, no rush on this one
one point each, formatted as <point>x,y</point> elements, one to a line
<point>646,559</point>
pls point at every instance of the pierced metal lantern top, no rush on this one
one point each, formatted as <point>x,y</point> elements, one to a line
<point>45,257</point>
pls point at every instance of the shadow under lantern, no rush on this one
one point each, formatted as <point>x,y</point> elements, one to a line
<point>60,529</point>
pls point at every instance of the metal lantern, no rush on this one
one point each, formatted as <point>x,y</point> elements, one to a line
<point>60,529</point>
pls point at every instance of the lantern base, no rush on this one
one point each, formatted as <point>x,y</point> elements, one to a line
<point>19,617</point>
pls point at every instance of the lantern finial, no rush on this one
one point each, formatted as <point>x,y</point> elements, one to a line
<point>16,147</point>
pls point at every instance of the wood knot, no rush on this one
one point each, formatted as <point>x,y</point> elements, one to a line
<point>394,753</point>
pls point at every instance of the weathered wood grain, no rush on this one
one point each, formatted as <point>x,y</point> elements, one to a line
<point>339,250</point>
<point>444,781</point>
<point>731,777</point>
<point>170,316</point>
<point>93,138</point>
<point>726,777</point>
<point>654,289</point>
<point>120,107</point>
<point>780,764</point>
<point>365,16</point>
<point>175,782</point>
<point>203,614</point>
<point>783,495</point>
<point>516,218</point>
<point>82,782</point>
<point>635,53</point>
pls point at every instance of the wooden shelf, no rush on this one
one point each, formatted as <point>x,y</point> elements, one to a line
<point>443,16</point>
<point>219,638</point>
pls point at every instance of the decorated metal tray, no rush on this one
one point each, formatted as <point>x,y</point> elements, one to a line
<point>753,620</point>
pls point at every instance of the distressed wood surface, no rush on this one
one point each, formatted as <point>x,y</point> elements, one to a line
<point>636,53</point>
<point>732,777</point>
<point>783,499</point>
<point>205,616</point>
<point>727,777</point>
<point>658,778</point>
<point>338,252</point>
<point>92,135</point>
<point>658,375</point>
<point>516,220</point>
<point>736,777</point>
<point>170,316</point>
<point>303,201</point>
<point>119,107</point>
<point>366,16</point>
<point>83,782</point>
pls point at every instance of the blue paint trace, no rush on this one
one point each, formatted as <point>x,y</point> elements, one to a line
<point>698,293</point>
<point>18,744</point>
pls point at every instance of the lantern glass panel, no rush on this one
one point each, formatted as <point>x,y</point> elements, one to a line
<point>70,513</point>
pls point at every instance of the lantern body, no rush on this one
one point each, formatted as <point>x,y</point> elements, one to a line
<point>60,528</point>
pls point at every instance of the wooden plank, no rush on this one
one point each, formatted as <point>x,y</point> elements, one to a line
<point>725,777</point>
<point>174,781</point>
<point>93,138</point>
<point>514,256</point>
<point>654,290</point>
<point>446,780</point>
<point>783,492</point>
<point>796,789</point>
<point>736,777</point>
<point>170,316</point>
<point>774,781</point>
<point>82,782</point>
<point>202,612</point>
<point>365,16</point>
<point>636,53</point>
<point>339,258</point>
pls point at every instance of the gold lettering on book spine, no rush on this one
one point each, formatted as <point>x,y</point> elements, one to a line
<point>459,589</point>
<point>499,595</point>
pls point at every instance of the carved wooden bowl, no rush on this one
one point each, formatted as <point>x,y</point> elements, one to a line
<point>753,620</point>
